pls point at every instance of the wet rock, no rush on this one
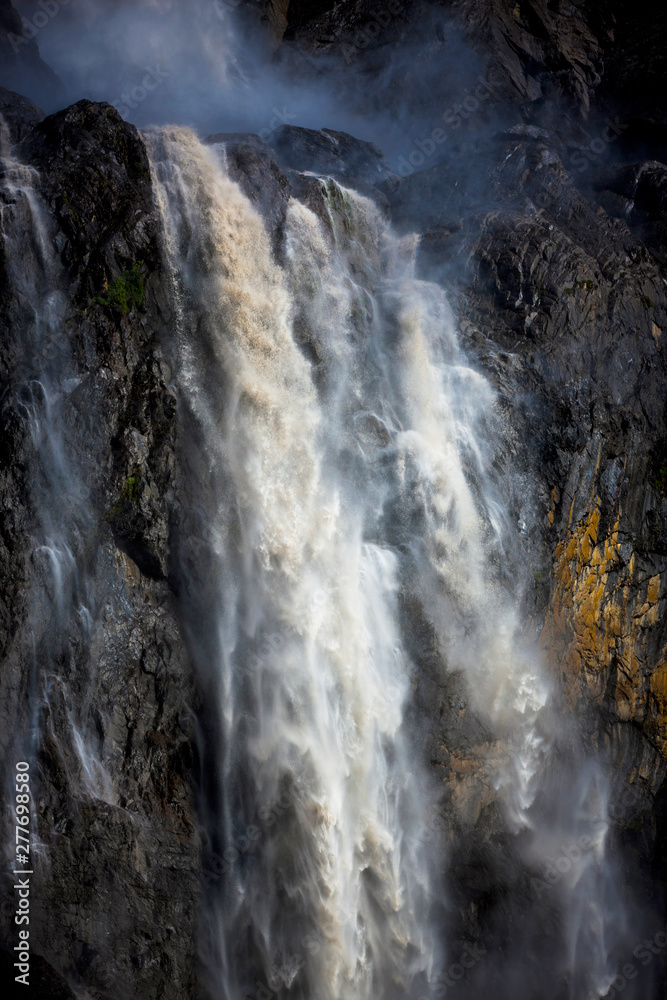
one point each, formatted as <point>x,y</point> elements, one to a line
<point>114,690</point>
<point>116,810</point>
<point>358,164</point>
<point>96,178</point>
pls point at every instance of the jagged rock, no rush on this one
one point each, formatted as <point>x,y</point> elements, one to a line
<point>359,164</point>
<point>96,178</point>
<point>19,114</point>
<point>113,787</point>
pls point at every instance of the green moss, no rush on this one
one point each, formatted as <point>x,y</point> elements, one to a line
<point>67,202</point>
<point>340,207</point>
<point>130,492</point>
<point>125,292</point>
<point>661,479</point>
<point>131,488</point>
<point>648,303</point>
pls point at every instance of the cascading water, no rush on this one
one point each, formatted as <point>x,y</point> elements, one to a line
<point>336,902</point>
<point>346,444</point>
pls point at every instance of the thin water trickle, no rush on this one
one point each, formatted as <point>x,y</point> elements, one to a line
<point>59,503</point>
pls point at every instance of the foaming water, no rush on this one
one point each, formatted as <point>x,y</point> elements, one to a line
<point>346,447</point>
<point>336,901</point>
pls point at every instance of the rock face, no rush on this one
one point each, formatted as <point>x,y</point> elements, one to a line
<point>564,306</point>
<point>19,115</point>
<point>336,154</point>
<point>543,214</point>
<point>576,303</point>
<point>119,799</point>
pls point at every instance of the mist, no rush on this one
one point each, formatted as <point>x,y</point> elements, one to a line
<point>209,65</point>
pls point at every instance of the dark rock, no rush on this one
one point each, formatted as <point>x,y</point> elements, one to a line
<point>113,788</point>
<point>637,192</point>
<point>96,178</point>
<point>20,114</point>
<point>358,164</point>
<point>635,78</point>
<point>560,66</point>
<point>544,59</point>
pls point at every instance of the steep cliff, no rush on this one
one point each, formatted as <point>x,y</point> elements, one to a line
<point>545,225</point>
<point>88,617</point>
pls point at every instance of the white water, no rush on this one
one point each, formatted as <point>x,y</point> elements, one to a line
<point>347,446</point>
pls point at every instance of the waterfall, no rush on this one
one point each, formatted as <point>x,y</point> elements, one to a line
<point>345,460</point>
<point>309,671</point>
<point>343,493</point>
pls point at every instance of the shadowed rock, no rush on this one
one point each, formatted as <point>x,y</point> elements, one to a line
<point>21,67</point>
<point>20,114</point>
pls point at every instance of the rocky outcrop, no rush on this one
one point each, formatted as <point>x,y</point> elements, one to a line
<point>110,681</point>
<point>19,115</point>
<point>361,165</point>
<point>562,67</point>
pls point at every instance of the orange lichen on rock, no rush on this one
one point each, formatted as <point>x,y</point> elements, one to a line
<point>595,634</point>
